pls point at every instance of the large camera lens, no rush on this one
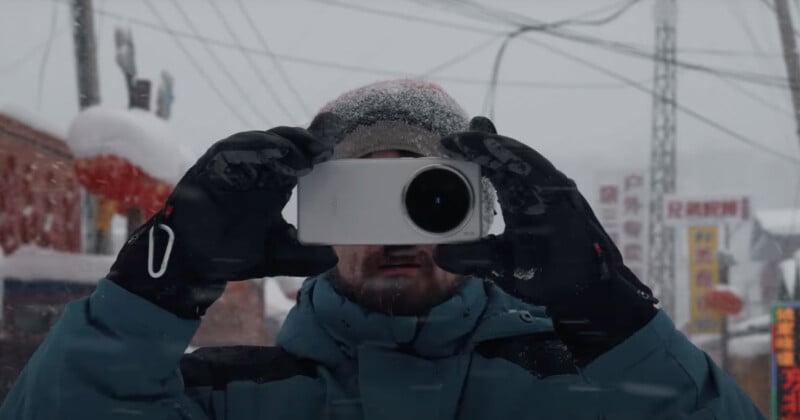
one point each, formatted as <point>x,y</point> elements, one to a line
<point>438,200</point>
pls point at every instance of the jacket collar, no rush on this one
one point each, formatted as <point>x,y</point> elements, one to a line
<point>326,327</point>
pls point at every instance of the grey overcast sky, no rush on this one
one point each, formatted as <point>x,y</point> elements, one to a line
<point>588,123</point>
<point>585,121</point>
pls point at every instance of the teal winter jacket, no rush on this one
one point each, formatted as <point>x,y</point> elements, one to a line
<point>480,355</point>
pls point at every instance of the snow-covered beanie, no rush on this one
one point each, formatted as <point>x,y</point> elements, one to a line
<point>403,115</point>
<point>407,115</point>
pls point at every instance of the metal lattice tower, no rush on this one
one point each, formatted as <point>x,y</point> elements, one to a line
<point>661,252</point>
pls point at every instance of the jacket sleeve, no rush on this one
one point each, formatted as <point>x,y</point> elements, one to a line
<point>111,355</point>
<point>658,373</point>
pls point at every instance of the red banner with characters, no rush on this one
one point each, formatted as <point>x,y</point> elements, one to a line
<point>785,367</point>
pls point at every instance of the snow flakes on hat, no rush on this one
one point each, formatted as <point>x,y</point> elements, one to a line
<point>414,102</point>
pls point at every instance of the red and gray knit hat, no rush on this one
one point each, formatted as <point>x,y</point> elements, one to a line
<point>403,115</point>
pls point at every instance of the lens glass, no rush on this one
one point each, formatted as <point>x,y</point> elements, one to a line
<point>438,200</point>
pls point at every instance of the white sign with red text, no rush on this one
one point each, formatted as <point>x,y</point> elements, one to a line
<point>685,211</point>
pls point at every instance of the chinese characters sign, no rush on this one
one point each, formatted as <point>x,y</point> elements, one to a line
<point>608,209</point>
<point>703,276</point>
<point>683,211</point>
<point>785,369</point>
<point>622,210</point>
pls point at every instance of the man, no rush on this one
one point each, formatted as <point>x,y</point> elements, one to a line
<point>541,322</point>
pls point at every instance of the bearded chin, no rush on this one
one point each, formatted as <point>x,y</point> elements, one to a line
<point>391,295</point>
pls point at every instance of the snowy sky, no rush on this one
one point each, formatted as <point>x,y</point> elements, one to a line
<point>585,121</point>
<point>585,129</point>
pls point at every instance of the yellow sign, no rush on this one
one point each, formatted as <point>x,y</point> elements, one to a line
<point>703,276</point>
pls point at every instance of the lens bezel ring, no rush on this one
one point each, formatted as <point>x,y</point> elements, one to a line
<point>464,179</point>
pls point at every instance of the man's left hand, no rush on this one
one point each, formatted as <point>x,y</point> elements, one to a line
<point>553,252</point>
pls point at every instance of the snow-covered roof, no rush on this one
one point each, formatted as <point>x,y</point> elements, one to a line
<point>781,222</point>
<point>34,263</point>
<point>788,270</point>
<point>32,119</point>
<point>133,134</point>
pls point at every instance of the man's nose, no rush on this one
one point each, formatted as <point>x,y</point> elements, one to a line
<point>400,250</point>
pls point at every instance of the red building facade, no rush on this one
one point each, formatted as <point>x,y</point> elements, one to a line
<point>39,193</point>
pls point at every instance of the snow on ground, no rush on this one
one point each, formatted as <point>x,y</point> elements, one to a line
<point>32,119</point>
<point>780,222</point>
<point>277,303</point>
<point>133,134</point>
<point>34,263</point>
<point>750,345</point>
<point>752,337</point>
<point>756,323</point>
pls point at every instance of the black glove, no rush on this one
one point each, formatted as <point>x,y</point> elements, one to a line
<point>553,251</point>
<point>223,222</point>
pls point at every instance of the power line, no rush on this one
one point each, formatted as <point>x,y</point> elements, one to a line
<point>772,7</point>
<point>744,25</point>
<point>618,47</point>
<point>517,83</point>
<point>551,28</point>
<point>747,29</point>
<point>599,10</point>
<point>221,64</point>
<point>278,66</point>
<point>458,58</point>
<point>613,46</point>
<point>729,53</point>
<point>410,18</point>
<point>46,55</point>
<point>601,21</point>
<point>512,18</point>
<point>752,78</point>
<point>348,67</point>
<point>482,17</point>
<point>757,98</point>
<point>22,59</point>
<point>163,27</point>
<point>271,92</point>
<point>472,15</point>
<point>200,70</point>
<point>680,107</point>
<point>539,84</point>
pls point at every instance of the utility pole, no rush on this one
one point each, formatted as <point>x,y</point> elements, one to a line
<point>789,42</point>
<point>726,262</point>
<point>661,261</point>
<point>94,240</point>
<point>85,53</point>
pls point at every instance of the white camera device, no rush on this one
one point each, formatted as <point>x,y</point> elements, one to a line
<point>392,201</point>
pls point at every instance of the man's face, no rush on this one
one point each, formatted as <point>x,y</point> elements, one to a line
<point>394,279</point>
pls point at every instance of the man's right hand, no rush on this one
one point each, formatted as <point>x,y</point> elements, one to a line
<point>223,222</point>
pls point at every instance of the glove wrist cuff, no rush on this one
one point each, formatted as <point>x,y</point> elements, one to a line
<point>600,317</point>
<point>151,267</point>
